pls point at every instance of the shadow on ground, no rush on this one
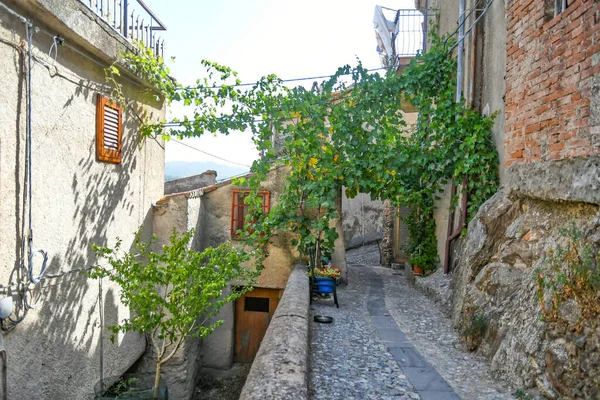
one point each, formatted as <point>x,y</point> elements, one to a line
<point>222,384</point>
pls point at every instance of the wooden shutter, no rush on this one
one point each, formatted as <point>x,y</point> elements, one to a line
<point>109,127</point>
<point>239,209</point>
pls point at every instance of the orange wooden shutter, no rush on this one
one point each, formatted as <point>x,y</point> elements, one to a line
<point>239,209</point>
<point>109,127</point>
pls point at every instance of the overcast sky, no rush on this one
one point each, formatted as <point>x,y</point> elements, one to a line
<point>292,39</point>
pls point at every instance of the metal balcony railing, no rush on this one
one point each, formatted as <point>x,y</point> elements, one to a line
<point>401,33</point>
<point>132,19</point>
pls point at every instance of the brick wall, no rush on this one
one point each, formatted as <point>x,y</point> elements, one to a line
<point>551,66</point>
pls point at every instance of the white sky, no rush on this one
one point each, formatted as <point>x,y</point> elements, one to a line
<point>292,39</point>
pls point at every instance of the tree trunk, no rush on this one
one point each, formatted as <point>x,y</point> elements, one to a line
<point>157,379</point>
<point>387,246</point>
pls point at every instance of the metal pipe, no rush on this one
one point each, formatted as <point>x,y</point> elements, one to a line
<point>4,374</point>
<point>124,22</point>
<point>28,33</point>
<point>101,311</point>
<point>460,51</point>
<point>459,82</point>
<point>425,26</point>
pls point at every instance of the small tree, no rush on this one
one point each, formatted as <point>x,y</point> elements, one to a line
<point>172,294</point>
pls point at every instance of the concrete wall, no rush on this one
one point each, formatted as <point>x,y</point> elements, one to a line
<point>483,85</point>
<point>55,351</point>
<point>286,343</point>
<point>362,219</point>
<point>204,179</point>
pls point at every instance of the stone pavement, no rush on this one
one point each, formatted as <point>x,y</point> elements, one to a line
<point>389,341</point>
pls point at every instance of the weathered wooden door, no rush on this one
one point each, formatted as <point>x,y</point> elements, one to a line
<point>253,312</point>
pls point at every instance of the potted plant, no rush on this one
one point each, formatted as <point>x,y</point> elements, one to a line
<point>172,293</point>
<point>326,277</point>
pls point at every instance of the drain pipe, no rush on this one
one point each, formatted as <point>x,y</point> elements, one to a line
<point>459,83</point>
<point>4,374</point>
<point>460,50</point>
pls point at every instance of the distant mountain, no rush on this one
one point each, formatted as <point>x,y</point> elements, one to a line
<point>182,169</point>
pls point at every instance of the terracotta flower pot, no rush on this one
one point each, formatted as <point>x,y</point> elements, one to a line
<point>417,270</point>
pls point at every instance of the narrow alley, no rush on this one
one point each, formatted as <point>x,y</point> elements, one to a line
<point>389,341</point>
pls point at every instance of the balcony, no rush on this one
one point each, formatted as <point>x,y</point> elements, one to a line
<point>132,19</point>
<point>400,34</point>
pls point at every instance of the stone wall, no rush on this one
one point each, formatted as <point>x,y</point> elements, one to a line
<point>280,369</point>
<point>58,350</point>
<point>190,183</point>
<point>495,270</point>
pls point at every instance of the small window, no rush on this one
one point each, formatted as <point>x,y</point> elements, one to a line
<point>555,7</point>
<point>560,6</point>
<point>108,130</point>
<point>239,209</point>
<point>256,304</point>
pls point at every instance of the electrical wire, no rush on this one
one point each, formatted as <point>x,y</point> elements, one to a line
<point>56,41</point>
<point>208,154</point>
<point>484,10</point>
<point>233,176</point>
<point>307,78</point>
<point>105,65</point>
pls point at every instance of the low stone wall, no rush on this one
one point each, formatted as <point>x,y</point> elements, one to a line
<point>280,369</point>
<point>438,287</point>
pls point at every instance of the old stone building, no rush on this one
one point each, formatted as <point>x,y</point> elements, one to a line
<point>74,172</point>
<point>537,63</point>
<point>217,212</point>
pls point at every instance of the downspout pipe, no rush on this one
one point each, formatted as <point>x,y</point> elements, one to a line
<point>459,85</point>
<point>460,50</point>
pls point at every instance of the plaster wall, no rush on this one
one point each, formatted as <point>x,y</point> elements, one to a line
<point>208,210</point>
<point>216,220</point>
<point>362,219</point>
<point>483,86</point>
<point>490,71</point>
<point>55,352</point>
<point>177,213</point>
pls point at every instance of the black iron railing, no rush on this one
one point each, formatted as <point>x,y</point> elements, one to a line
<point>132,19</point>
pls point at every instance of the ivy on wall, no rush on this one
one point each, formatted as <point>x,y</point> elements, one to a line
<point>350,132</point>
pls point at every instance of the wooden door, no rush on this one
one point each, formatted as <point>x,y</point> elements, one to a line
<point>253,312</point>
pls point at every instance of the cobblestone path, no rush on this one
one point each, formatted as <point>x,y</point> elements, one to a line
<point>389,341</point>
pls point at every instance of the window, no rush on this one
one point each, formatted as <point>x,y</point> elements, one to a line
<point>256,304</point>
<point>108,130</point>
<point>239,209</point>
<point>560,6</point>
<point>555,7</point>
